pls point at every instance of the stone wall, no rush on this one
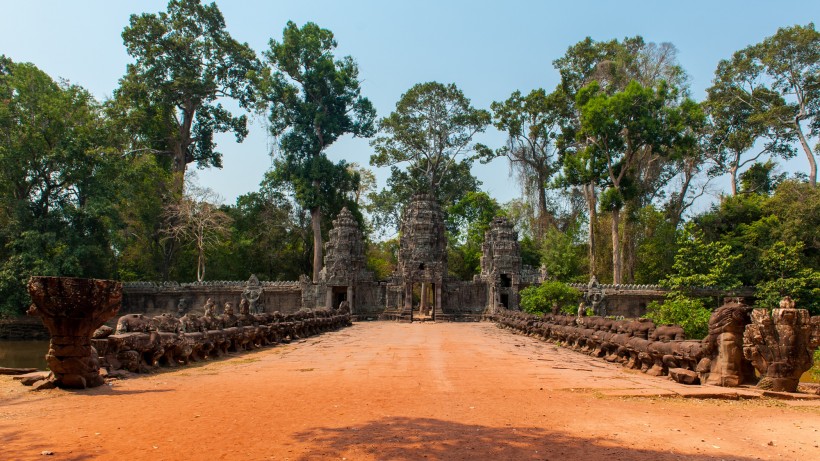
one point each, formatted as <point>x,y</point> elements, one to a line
<point>464,298</point>
<point>630,300</point>
<point>22,328</point>
<point>155,298</point>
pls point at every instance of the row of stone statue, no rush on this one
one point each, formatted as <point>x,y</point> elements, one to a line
<point>140,344</point>
<point>779,345</point>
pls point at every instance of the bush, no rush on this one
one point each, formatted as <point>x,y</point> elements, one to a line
<point>680,310</point>
<point>539,299</point>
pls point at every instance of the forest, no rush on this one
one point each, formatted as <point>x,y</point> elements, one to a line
<point>611,163</point>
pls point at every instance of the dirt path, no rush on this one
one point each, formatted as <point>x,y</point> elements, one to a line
<point>395,391</point>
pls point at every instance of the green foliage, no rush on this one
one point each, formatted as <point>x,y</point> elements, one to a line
<point>382,258</point>
<point>314,99</point>
<point>680,310</point>
<point>185,61</point>
<point>563,254</point>
<point>656,239</point>
<point>540,299</point>
<point>786,274</point>
<point>433,125</point>
<point>532,124</point>
<point>467,222</point>
<point>699,263</point>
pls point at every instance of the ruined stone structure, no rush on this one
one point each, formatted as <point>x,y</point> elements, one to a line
<point>140,344</point>
<point>723,362</point>
<point>420,288</point>
<point>422,260</point>
<point>780,345</point>
<point>501,265</point>
<point>344,262</point>
<point>72,309</point>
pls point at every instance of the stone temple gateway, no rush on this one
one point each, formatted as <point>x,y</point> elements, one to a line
<point>420,287</point>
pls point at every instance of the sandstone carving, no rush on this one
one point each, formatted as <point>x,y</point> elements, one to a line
<point>723,363</point>
<point>72,309</point>
<point>633,344</point>
<point>780,345</point>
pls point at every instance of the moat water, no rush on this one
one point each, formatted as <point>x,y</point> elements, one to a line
<point>23,354</point>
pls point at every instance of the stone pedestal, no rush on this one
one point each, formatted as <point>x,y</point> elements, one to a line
<point>72,309</point>
<point>780,346</point>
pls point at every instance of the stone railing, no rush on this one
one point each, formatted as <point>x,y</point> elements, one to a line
<point>140,344</point>
<point>778,344</point>
<point>209,283</point>
<point>637,344</point>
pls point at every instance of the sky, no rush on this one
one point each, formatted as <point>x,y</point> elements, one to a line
<point>488,49</point>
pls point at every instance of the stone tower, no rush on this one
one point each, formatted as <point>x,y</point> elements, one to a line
<point>501,264</point>
<point>422,254</point>
<point>344,261</point>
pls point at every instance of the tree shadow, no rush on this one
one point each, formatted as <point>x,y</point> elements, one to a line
<point>403,438</point>
<point>19,446</point>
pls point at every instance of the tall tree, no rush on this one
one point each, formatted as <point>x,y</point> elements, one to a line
<point>624,130</point>
<point>60,181</point>
<point>431,131</point>
<point>185,62</point>
<point>791,58</point>
<point>613,65</point>
<point>314,99</point>
<point>198,221</point>
<point>748,119</point>
<point>532,123</point>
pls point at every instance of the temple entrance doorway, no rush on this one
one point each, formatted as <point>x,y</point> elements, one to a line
<point>505,300</point>
<point>424,301</point>
<point>339,295</point>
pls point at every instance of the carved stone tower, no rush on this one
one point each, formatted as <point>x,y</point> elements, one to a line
<point>501,264</point>
<point>422,254</point>
<point>344,261</point>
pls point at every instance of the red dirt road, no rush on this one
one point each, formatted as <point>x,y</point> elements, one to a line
<point>394,391</point>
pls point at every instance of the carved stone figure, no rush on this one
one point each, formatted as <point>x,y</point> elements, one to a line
<point>667,333</point>
<point>252,293</point>
<point>182,307</point>
<point>229,319</point>
<point>72,309</point>
<point>166,323</point>
<point>209,308</point>
<point>595,297</point>
<point>723,363</point>
<point>780,345</point>
<point>210,321</point>
<point>133,323</point>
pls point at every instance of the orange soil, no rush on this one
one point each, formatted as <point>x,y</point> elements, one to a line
<point>395,391</point>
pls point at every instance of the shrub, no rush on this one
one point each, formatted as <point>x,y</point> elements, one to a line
<point>680,310</point>
<point>539,299</point>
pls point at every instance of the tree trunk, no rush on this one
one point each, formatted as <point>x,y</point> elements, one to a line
<point>200,267</point>
<point>809,154</point>
<point>542,210</point>
<point>423,299</point>
<point>316,225</point>
<point>617,259</point>
<point>733,174</point>
<point>589,194</point>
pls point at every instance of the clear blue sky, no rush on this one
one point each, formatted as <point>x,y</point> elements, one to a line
<point>489,49</point>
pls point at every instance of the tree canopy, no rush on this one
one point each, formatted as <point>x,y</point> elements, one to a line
<point>314,99</point>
